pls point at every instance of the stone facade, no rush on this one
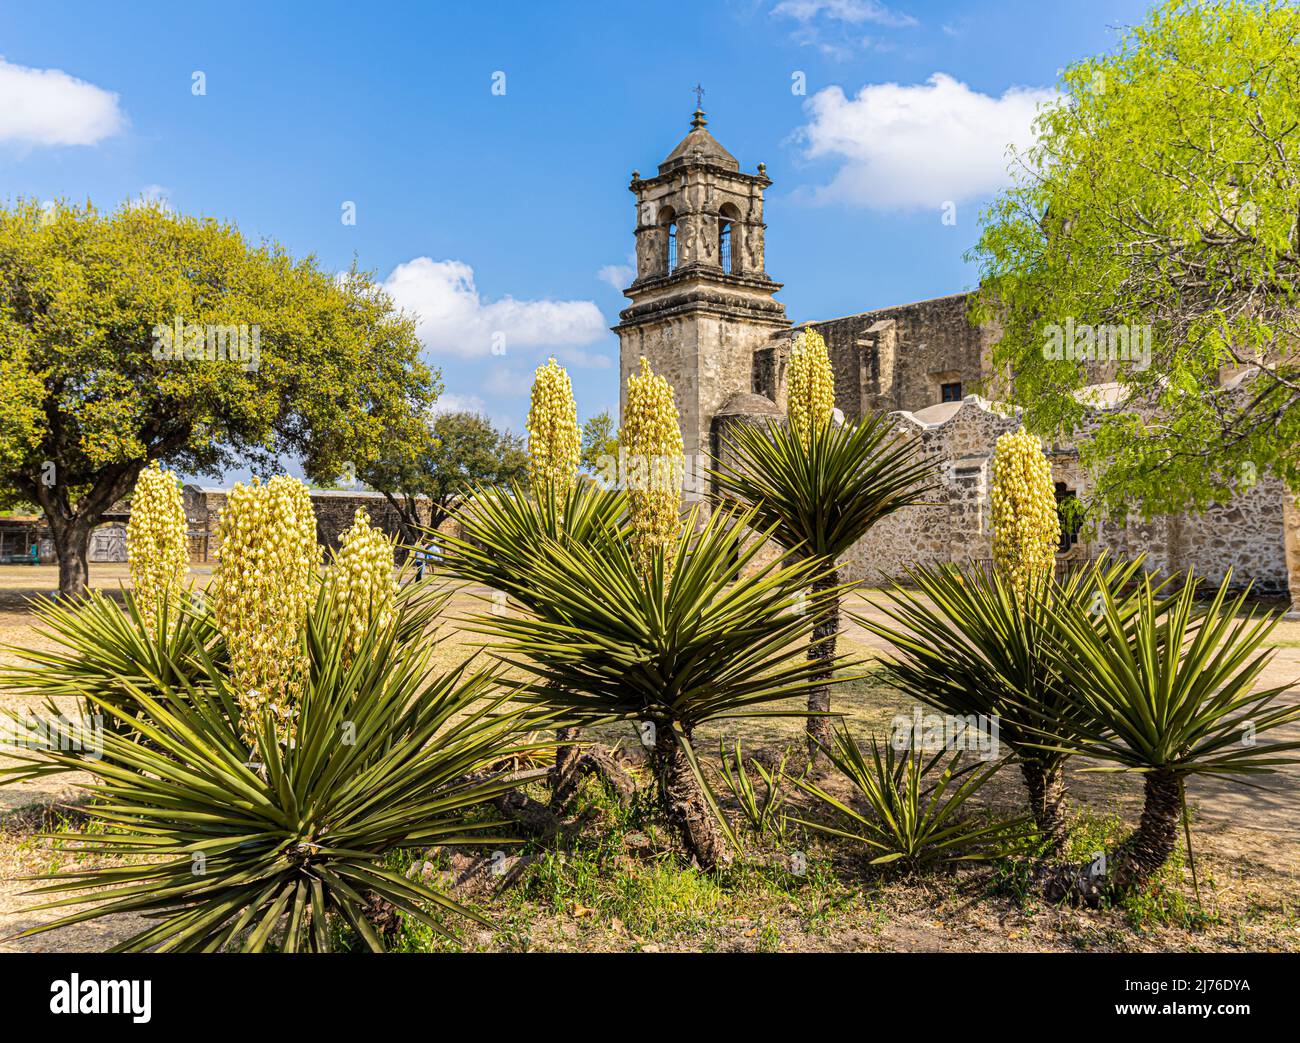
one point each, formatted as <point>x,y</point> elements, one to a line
<point>334,513</point>
<point>703,312</point>
<point>1245,536</point>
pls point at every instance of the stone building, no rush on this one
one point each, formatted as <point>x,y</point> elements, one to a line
<point>334,509</point>
<point>703,312</point>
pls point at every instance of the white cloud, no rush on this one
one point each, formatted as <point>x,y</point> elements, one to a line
<point>902,147</point>
<point>49,107</point>
<point>453,319</point>
<point>153,195</point>
<point>854,12</point>
<point>454,403</point>
<point>618,275</point>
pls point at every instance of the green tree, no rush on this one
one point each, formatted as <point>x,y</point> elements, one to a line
<point>440,460</point>
<point>1162,199</point>
<point>142,335</point>
<point>599,439</point>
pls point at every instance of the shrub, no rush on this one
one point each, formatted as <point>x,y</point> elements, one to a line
<point>917,815</point>
<point>695,638</point>
<point>1166,690</point>
<point>967,644</point>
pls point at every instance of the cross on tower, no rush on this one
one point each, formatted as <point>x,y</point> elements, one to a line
<point>699,96</point>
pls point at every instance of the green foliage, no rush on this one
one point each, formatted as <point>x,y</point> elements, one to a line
<point>966,645</point>
<point>916,818</point>
<point>605,643</point>
<point>105,653</point>
<point>764,812</point>
<point>443,460</point>
<point>1162,193</point>
<point>1160,684</point>
<point>87,304</point>
<point>599,441</point>
<point>225,852</point>
<point>823,497</point>
<point>503,531</point>
<point>693,638</point>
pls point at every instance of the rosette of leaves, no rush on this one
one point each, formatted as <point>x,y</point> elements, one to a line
<point>226,844</point>
<point>695,638</point>
<point>912,810</point>
<point>817,497</point>
<point>966,644</point>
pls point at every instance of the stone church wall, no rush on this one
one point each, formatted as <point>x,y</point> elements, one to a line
<point>1246,535</point>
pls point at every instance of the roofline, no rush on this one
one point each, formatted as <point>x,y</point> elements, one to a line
<point>887,307</point>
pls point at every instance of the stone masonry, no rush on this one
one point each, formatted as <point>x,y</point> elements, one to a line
<point>703,312</point>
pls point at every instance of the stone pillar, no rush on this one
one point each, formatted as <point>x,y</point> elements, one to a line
<point>1291,528</point>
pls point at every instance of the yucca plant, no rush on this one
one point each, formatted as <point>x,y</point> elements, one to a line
<point>762,809</point>
<point>917,812</point>
<point>499,535</point>
<point>968,643</point>
<point>691,640</point>
<point>1166,688</point>
<point>818,496</point>
<point>229,844</point>
<point>1026,522</point>
<point>96,647</point>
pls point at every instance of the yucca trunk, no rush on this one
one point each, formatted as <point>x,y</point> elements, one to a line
<point>564,781</point>
<point>821,649</point>
<point>1140,856</point>
<point>1045,782</point>
<point>682,802</point>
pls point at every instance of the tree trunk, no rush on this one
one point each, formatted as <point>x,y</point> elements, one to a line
<point>1148,847</point>
<point>683,803</point>
<point>821,649</point>
<point>564,776</point>
<point>72,546</point>
<point>1045,782</point>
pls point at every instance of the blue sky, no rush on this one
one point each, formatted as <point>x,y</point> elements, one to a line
<point>510,211</point>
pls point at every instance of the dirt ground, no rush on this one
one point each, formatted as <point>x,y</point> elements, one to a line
<point>1247,849</point>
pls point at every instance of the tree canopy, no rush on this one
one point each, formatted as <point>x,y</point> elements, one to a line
<point>142,334</point>
<point>599,440</point>
<point>1158,214</point>
<point>440,459</point>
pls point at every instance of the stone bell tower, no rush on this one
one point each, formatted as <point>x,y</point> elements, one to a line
<point>702,301</point>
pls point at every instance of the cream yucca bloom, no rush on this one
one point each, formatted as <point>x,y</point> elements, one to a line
<point>810,396</point>
<point>554,439</point>
<point>1026,526</point>
<point>264,582</point>
<point>156,544</point>
<point>652,437</point>
<point>361,582</point>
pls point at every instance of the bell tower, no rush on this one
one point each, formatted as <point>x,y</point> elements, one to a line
<point>702,301</point>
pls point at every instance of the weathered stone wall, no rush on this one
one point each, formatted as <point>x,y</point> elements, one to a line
<point>334,515</point>
<point>1245,535</point>
<point>897,358</point>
